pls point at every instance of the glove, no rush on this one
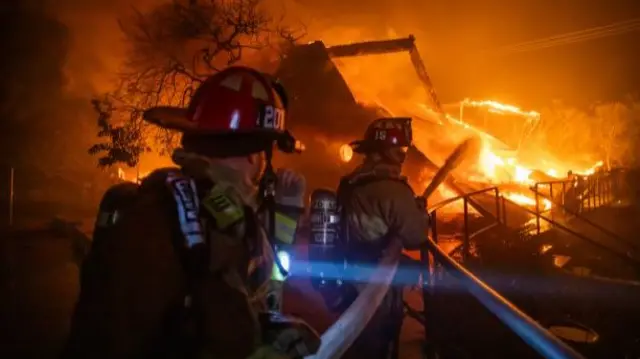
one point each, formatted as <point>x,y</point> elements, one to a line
<point>290,188</point>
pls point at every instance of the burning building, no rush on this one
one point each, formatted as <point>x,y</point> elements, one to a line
<point>336,91</point>
<point>333,102</point>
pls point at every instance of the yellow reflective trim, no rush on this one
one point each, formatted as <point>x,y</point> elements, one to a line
<point>285,260</point>
<point>285,228</point>
<point>276,275</point>
<point>222,208</point>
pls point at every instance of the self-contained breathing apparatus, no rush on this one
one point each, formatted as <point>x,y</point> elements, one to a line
<point>327,256</point>
<point>114,200</point>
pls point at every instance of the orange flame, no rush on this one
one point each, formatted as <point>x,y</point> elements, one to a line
<point>525,200</point>
<point>591,170</point>
<point>498,107</point>
<point>135,178</point>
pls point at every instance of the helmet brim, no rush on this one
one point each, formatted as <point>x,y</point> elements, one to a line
<point>360,146</point>
<point>364,146</point>
<point>176,119</point>
<point>170,118</point>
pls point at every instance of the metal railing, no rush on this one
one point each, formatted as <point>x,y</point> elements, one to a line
<point>578,195</point>
<point>433,258</point>
<point>579,216</point>
<point>532,333</point>
<point>599,190</point>
<point>585,194</point>
<point>466,235</point>
<point>623,256</point>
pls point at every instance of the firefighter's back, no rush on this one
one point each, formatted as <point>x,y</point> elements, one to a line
<point>130,283</point>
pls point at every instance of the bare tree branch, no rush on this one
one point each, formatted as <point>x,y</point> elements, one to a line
<point>172,49</point>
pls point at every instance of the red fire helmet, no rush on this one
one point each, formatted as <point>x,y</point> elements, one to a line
<point>235,100</point>
<point>385,133</point>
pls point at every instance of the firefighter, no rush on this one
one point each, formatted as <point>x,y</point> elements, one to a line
<point>378,206</point>
<point>181,274</point>
<point>570,195</point>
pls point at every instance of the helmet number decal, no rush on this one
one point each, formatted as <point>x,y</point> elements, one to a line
<point>272,118</point>
<point>380,135</point>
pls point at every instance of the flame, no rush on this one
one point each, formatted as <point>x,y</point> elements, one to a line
<point>528,201</point>
<point>135,178</point>
<point>455,207</point>
<point>497,107</point>
<point>397,89</point>
<point>591,170</point>
<point>497,169</point>
<point>493,168</point>
<point>489,162</point>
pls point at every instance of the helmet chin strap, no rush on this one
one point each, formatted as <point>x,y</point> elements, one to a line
<point>267,191</point>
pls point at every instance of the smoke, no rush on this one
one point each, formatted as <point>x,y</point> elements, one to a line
<point>97,45</point>
<point>449,36</point>
<point>58,55</point>
<point>34,46</point>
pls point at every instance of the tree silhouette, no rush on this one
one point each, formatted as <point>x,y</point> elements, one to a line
<point>172,49</point>
<point>125,142</point>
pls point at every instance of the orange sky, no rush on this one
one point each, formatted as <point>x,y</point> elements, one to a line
<point>450,35</point>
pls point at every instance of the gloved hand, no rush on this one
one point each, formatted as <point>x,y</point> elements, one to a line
<point>290,188</point>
